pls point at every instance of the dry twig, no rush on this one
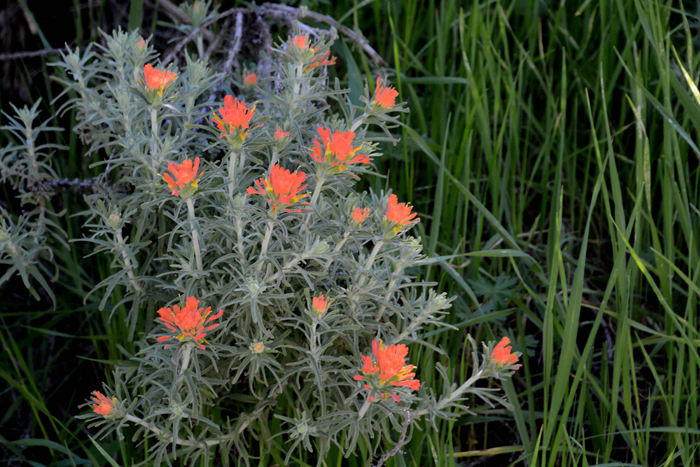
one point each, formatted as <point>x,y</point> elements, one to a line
<point>400,442</point>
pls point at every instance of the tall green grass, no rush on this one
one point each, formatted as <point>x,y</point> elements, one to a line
<point>551,152</point>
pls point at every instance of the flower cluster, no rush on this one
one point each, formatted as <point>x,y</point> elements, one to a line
<point>184,181</point>
<point>338,152</point>
<point>234,120</point>
<point>157,81</point>
<point>386,370</point>
<point>302,44</point>
<point>188,323</point>
<point>385,97</point>
<point>102,404</point>
<point>281,189</point>
<point>398,215</point>
<point>502,356</point>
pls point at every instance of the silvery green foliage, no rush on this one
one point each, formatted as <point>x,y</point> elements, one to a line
<point>232,399</point>
<point>25,164</point>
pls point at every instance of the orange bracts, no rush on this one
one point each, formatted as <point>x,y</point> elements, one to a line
<point>385,96</point>
<point>188,323</point>
<point>280,134</point>
<point>250,78</point>
<point>102,404</point>
<point>359,215</point>
<point>301,43</point>
<point>185,182</point>
<point>158,80</point>
<point>257,347</point>
<point>399,214</point>
<point>502,355</point>
<point>387,367</point>
<point>339,152</point>
<point>142,43</point>
<point>234,118</point>
<point>320,305</point>
<point>281,189</point>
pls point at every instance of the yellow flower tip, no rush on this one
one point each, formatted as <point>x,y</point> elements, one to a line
<point>102,404</point>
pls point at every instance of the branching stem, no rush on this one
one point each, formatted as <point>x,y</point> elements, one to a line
<point>195,233</point>
<point>127,262</point>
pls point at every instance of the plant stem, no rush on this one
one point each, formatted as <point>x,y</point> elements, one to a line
<point>195,234</point>
<point>337,249</point>
<point>232,172</point>
<point>401,440</point>
<point>455,395</point>
<point>263,248</point>
<point>127,262</point>
<point>363,409</point>
<point>154,129</point>
<point>317,190</point>
<point>369,263</point>
<point>159,432</point>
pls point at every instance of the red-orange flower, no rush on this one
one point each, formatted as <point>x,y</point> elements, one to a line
<point>142,43</point>
<point>280,134</point>
<point>502,354</point>
<point>188,323</point>
<point>157,80</point>
<point>102,404</point>
<point>385,96</point>
<point>302,44</point>
<point>250,78</point>
<point>359,215</point>
<point>399,214</point>
<point>234,118</point>
<point>339,152</point>
<point>185,182</point>
<point>281,189</point>
<point>320,305</point>
<point>387,367</point>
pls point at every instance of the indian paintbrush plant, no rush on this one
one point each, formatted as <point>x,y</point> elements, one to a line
<point>269,301</point>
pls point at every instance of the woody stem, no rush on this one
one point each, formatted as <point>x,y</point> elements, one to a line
<point>195,233</point>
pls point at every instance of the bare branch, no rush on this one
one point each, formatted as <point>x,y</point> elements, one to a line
<point>298,13</point>
<point>400,442</point>
<point>33,53</point>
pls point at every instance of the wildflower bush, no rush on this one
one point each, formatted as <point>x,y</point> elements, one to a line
<point>271,304</point>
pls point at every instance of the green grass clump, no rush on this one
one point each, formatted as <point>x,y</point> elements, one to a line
<point>551,154</point>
